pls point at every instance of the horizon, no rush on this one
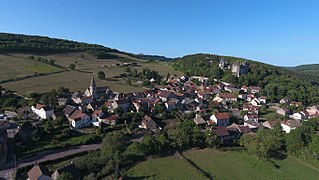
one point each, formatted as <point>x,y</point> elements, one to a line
<point>284,66</point>
<point>276,33</point>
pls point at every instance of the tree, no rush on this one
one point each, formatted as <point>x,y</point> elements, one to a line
<point>101,75</point>
<point>112,143</point>
<point>65,176</point>
<point>72,66</point>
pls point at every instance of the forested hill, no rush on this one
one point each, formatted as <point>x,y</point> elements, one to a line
<point>17,43</point>
<point>309,69</point>
<point>277,82</point>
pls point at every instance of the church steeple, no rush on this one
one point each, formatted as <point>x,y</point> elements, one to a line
<point>92,83</point>
<point>92,88</point>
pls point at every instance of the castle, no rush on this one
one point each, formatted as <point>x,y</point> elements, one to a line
<point>97,92</point>
<point>237,67</point>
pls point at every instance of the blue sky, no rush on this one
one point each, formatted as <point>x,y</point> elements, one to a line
<point>276,32</point>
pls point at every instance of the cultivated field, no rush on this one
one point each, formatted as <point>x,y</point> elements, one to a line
<point>223,165</point>
<point>78,80</point>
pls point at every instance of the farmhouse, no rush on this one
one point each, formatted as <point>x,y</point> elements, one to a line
<point>220,119</point>
<point>289,125</point>
<point>79,119</point>
<point>42,111</point>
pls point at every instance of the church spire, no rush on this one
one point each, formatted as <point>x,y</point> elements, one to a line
<point>92,83</point>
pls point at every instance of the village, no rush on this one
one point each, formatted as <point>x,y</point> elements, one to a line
<point>226,110</point>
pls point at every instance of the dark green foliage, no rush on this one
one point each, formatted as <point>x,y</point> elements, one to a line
<point>46,45</point>
<point>265,144</point>
<point>65,176</point>
<point>72,66</point>
<point>101,75</point>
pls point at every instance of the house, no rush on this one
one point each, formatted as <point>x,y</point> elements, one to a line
<point>241,129</point>
<point>255,89</point>
<point>42,111</point>
<point>294,103</point>
<point>76,97</point>
<point>250,97</point>
<point>94,105</point>
<point>39,172</point>
<point>63,101</point>
<point>255,102</point>
<point>71,169</point>
<point>210,123</point>
<point>289,125</point>
<point>79,119</point>
<point>283,111</point>
<point>121,103</point>
<point>173,103</point>
<point>263,99</point>
<point>252,124</point>
<point>297,116</point>
<point>221,133</point>
<point>284,101</point>
<point>270,124</point>
<point>199,121</point>
<point>229,97</point>
<point>313,110</point>
<point>69,110</point>
<point>220,119</point>
<point>252,117</point>
<point>302,115</point>
<point>96,115</point>
<point>166,95</point>
<point>110,120</point>
<point>148,123</point>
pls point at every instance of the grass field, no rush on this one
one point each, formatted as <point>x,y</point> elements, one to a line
<point>86,67</point>
<point>223,165</point>
<point>163,168</point>
<point>17,66</point>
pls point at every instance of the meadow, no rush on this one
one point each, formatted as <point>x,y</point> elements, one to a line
<point>163,168</point>
<point>78,80</point>
<point>223,165</point>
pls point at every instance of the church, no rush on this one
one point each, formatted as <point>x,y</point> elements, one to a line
<point>97,92</point>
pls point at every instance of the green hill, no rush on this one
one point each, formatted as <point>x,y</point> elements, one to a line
<point>18,43</point>
<point>309,69</point>
<point>277,82</point>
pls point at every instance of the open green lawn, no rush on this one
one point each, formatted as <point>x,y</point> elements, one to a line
<point>78,80</point>
<point>223,165</point>
<point>163,168</point>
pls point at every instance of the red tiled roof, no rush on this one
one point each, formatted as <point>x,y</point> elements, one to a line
<point>210,122</point>
<point>221,131</point>
<point>227,95</point>
<point>39,106</point>
<point>222,116</point>
<point>165,94</point>
<point>112,118</point>
<point>77,115</point>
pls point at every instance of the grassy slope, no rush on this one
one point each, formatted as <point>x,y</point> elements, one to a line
<point>226,165</point>
<point>17,66</point>
<point>88,66</point>
<point>163,168</point>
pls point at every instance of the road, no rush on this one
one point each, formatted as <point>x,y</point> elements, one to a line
<point>6,172</point>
